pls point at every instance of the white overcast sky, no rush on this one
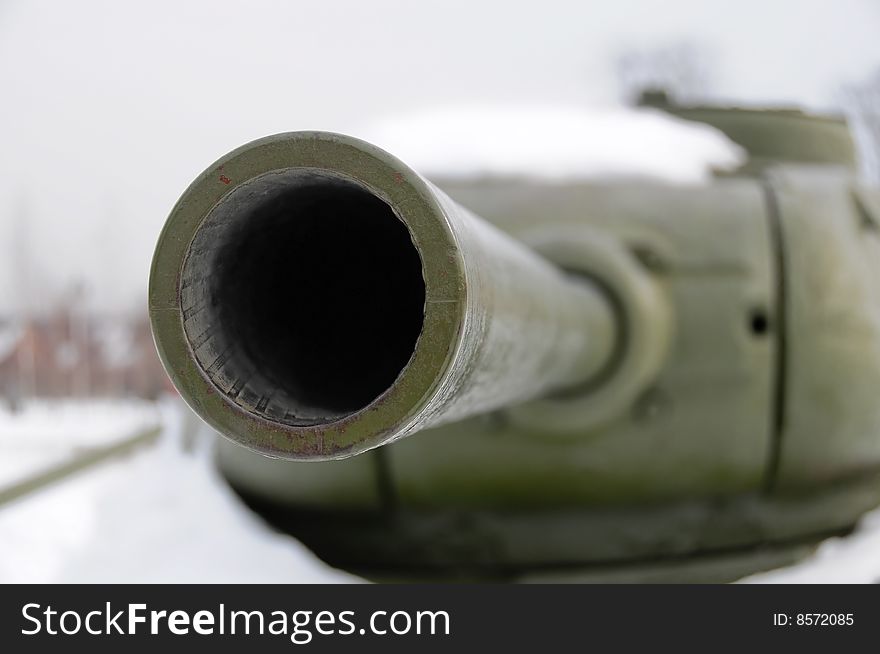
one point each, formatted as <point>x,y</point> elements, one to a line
<point>109,109</point>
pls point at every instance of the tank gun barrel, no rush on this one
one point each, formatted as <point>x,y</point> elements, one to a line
<point>312,297</point>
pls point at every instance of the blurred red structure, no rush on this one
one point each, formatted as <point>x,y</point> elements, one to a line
<point>66,353</point>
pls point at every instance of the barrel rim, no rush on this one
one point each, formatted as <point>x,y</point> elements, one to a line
<point>411,199</point>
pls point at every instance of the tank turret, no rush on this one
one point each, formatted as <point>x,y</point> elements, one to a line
<point>513,379</point>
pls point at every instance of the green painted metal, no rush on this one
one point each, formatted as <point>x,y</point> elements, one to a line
<point>831,420</point>
<point>722,398</point>
<point>772,136</point>
<point>500,325</point>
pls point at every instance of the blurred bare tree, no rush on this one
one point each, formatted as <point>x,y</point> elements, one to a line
<point>861,103</point>
<point>685,70</point>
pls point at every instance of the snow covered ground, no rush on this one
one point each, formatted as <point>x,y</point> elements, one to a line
<point>45,433</point>
<point>162,514</point>
<point>851,560</point>
<point>158,514</point>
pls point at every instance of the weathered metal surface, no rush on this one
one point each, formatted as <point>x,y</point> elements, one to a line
<point>831,420</point>
<point>773,136</point>
<point>702,424</point>
<point>722,396</point>
<point>500,325</point>
<point>415,542</point>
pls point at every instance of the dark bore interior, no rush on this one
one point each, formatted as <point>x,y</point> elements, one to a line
<point>316,296</point>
